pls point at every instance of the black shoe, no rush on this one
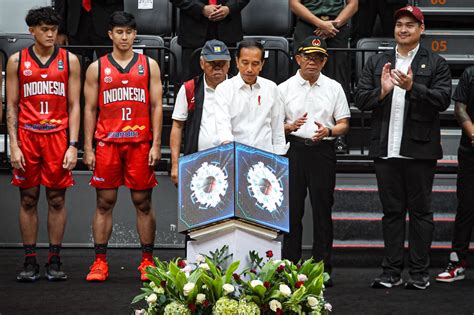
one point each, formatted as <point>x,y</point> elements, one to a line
<point>418,282</point>
<point>387,281</point>
<point>53,270</point>
<point>30,272</point>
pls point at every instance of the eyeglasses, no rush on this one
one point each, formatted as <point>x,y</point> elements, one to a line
<point>313,57</point>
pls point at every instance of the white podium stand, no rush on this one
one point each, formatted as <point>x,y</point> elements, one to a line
<point>241,238</point>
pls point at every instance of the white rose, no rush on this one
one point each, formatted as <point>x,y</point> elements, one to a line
<point>188,287</point>
<point>204,266</point>
<point>200,259</point>
<point>312,301</point>
<point>204,287</point>
<point>200,298</point>
<point>254,283</point>
<point>159,290</point>
<point>328,307</point>
<point>152,285</point>
<point>140,312</point>
<point>151,299</point>
<point>275,305</point>
<point>285,290</point>
<point>302,277</point>
<point>187,269</point>
<point>228,288</point>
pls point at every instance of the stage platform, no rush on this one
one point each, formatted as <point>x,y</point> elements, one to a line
<point>351,293</point>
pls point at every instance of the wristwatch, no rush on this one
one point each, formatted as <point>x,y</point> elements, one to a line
<point>73,144</point>
<point>330,132</point>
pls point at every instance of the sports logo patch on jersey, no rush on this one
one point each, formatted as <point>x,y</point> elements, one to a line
<point>27,72</point>
<point>141,70</point>
<point>108,79</point>
<point>107,71</point>
<point>60,65</point>
<point>124,81</point>
<point>44,75</point>
<point>27,64</point>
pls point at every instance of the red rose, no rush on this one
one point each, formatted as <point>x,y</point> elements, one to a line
<point>281,268</point>
<point>298,266</point>
<point>279,312</point>
<point>266,284</point>
<point>299,284</point>
<point>253,271</point>
<point>236,277</point>
<point>181,264</point>
<point>205,303</point>
<point>192,307</point>
<point>269,253</point>
<point>163,284</point>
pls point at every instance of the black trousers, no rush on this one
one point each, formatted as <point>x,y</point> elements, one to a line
<point>464,221</point>
<point>406,184</point>
<point>314,169</point>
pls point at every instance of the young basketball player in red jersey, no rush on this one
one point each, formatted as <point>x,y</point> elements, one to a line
<point>125,88</point>
<point>43,84</point>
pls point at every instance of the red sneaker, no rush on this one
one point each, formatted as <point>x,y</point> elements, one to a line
<point>99,271</point>
<point>145,263</point>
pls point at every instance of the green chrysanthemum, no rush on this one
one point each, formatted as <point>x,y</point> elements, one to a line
<point>248,308</point>
<point>176,308</point>
<point>226,306</point>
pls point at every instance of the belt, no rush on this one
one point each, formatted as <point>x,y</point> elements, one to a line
<point>307,141</point>
<point>327,17</point>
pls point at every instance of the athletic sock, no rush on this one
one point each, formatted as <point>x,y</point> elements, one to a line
<point>100,251</point>
<point>54,252</point>
<point>30,253</point>
<point>147,251</point>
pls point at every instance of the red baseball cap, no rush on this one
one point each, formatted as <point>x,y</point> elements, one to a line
<point>411,10</point>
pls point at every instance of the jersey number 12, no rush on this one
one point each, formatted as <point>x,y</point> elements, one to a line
<point>126,112</point>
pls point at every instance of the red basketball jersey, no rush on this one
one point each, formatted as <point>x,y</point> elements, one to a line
<point>43,91</point>
<point>124,107</point>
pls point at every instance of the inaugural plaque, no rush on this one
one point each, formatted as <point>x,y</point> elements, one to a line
<point>233,181</point>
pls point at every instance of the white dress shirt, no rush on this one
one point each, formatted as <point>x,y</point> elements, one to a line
<point>397,113</point>
<point>207,131</point>
<point>324,101</point>
<point>252,115</point>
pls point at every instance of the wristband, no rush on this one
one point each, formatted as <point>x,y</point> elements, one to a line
<point>73,144</point>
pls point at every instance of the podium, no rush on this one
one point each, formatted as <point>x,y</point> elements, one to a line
<point>233,195</point>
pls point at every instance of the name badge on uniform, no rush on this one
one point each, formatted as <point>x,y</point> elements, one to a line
<point>141,70</point>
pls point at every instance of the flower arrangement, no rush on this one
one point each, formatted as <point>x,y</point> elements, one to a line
<point>207,287</point>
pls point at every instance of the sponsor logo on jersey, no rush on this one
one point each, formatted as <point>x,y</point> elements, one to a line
<point>27,72</point>
<point>124,94</point>
<point>44,88</point>
<point>122,134</point>
<point>108,79</point>
<point>44,75</point>
<point>60,65</point>
<point>124,81</point>
<point>141,70</point>
<point>44,127</point>
<point>19,177</point>
<point>98,179</point>
<point>127,128</point>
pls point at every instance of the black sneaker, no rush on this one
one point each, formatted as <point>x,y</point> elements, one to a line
<point>30,272</point>
<point>53,270</point>
<point>418,282</point>
<point>387,281</point>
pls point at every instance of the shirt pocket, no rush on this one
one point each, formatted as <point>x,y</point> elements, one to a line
<point>421,126</point>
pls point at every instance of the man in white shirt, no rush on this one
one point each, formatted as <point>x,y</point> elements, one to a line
<point>194,106</point>
<point>248,107</point>
<point>316,111</point>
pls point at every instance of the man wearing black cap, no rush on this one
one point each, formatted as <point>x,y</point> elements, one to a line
<point>194,107</point>
<point>405,89</point>
<point>316,111</point>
